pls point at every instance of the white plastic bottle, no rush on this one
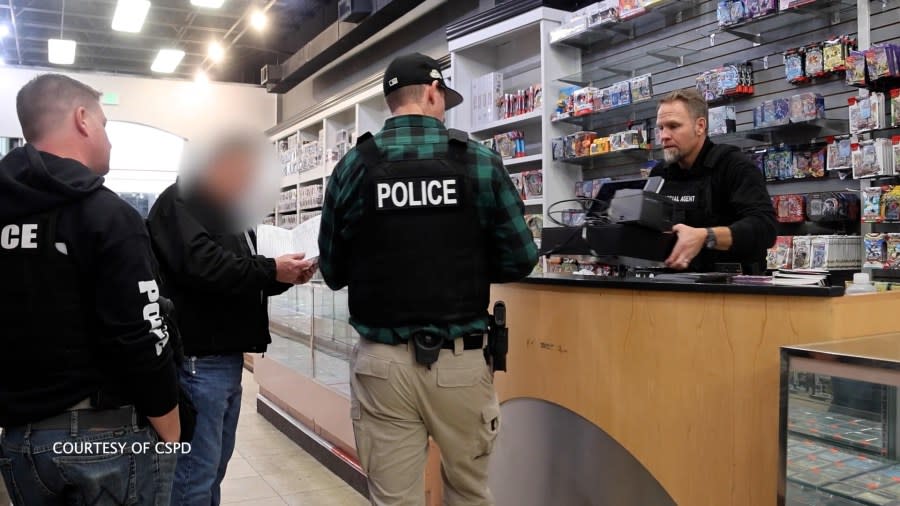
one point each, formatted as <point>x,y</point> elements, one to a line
<point>861,285</point>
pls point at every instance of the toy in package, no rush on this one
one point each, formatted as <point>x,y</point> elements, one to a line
<point>789,208</point>
<point>781,112</point>
<point>856,68</point>
<point>892,251</point>
<point>641,88</point>
<point>784,249</point>
<point>558,145</point>
<point>875,249</point>
<point>816,167</point>
<point>722,120</point>
<point>801,252</point>
<point>895,148</point>
<point>759,161</point>
<point>895,107</point>
<point>834,53</point>
<point>630,8</point>
<point>807,107</point>
<point>814,61</point>
<point>819,247</point>
<point>839,154</point>
<point>606,12</point>
<point>878,62</point>
<point>801,164</point>
<point>758,8</point>
<point>871,204</point>
<point>584,101</point>
<point>723,13</point>
<point>519,184</point>
<point>581,143</point>
<point>890,204</point>
<point>793,66</point>
<point>533,181</point>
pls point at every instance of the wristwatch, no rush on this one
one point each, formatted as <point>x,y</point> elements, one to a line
<point>710,239</point>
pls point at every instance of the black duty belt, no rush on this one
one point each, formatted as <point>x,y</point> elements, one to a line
<point>88,419</point>
<point>470,342</point>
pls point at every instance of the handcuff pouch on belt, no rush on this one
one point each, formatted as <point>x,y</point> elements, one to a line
<point>427,347</point>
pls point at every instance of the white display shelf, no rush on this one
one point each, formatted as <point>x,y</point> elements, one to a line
<point>504,125</point>
<point>533,202</point>
<point>314,175</point>
<point>530,159</point>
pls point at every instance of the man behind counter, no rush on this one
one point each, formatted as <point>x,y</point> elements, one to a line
<point>722,208</point>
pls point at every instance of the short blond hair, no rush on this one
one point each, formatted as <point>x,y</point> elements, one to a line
<point>692,100</point>
<point>42,102</point>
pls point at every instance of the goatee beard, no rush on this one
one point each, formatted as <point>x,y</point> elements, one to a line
<point>672,155</point>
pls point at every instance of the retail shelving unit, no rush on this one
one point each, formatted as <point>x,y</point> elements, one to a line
<point>519,48</point>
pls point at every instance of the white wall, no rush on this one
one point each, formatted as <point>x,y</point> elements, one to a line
<point>180,107</point>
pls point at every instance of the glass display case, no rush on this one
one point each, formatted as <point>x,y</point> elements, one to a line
<point>838,424</point>
<point>311,333</point>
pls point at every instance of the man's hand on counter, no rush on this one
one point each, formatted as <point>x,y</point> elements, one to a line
<point>690,241</point>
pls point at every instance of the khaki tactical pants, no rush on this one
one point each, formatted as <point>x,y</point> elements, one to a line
<point>396,404</point>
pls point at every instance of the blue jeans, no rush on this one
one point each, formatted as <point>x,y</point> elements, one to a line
<point>214,385</point>
<point>53,467</point>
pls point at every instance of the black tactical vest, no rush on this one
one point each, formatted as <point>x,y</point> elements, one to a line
<point>420,254</point>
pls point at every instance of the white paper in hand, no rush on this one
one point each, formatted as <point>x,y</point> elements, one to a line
<point>273,241</point>
<point>306,237</point>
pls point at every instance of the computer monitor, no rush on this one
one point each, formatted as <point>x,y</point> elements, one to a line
<point>608,189</point>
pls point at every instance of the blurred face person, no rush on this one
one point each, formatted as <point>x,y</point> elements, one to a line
<point>681,125</point>
<point>62,116</point>
<point>236,172</point>
<point>229,175</point>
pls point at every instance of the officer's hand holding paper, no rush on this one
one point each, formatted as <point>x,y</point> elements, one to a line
<point>281,244</point>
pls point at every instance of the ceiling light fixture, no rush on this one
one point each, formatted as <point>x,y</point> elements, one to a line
<point>61,51</point>
<point>4,31</point>
<point>216,52</point>
<point>258,20</point>
<point>201,78</point>
<point>130,15</point>
<point>167,60</point>
<point>209,4</point>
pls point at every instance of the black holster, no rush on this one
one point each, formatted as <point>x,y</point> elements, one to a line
<point>498,338</point>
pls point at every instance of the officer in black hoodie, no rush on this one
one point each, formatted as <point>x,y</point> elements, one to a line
<point>201,231</point>
<point>88,384</point>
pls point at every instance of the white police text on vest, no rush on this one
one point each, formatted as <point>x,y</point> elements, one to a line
<point>19,236</point>
<point>420,193</point>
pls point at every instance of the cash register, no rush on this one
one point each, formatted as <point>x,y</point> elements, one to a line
<point>627,222</point>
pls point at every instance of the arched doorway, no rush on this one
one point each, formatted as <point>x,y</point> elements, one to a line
<point>143,163</point>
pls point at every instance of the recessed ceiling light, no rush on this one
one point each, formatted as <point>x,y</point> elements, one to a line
<point>130,15</point>
<point>216,52</point>
<point>4,31</point>
<point>258,20</point>
<point>209,4</point>
<point>167,60</point>
<point>61,51</point>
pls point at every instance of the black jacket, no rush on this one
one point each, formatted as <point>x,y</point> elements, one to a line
<point>218,285</point>
<point>737,198</point>
<point>106,265</point>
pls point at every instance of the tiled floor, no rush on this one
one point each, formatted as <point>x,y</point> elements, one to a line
<point>268,469</point>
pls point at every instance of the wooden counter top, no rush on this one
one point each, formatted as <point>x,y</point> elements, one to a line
<point>687,382</point>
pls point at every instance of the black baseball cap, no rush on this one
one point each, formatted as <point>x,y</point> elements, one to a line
<point>416,68</point>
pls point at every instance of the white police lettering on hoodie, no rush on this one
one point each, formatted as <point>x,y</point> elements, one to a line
<point>417,193</point>
<point>19,236</point>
